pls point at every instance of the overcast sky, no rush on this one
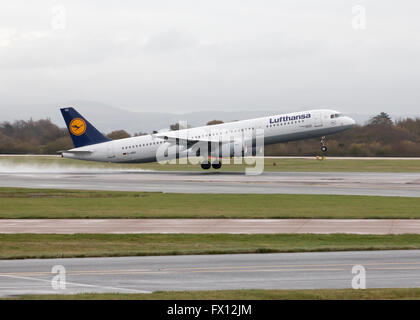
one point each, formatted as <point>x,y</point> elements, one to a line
<point>191,55</point>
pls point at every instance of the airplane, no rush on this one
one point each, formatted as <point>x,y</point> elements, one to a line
<point>92,145</point>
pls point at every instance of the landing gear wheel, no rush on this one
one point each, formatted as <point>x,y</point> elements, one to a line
<point>205,165</point>
<point>217,165</point>
<point>323,146</point>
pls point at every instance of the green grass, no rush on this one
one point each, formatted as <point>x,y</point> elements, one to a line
<point>22,246</point>
<point>33,203</point>
<point>271,164</point>
<point>324,294</point>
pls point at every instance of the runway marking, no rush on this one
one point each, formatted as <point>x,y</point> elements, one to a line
<point>198,271</point>
<point>230,269</point>
<point>384,268</point>
<point>77,284</point>
<point>78,272</point>
<point>267,270</point>
<point>301,265</point>
<point>186,271</point>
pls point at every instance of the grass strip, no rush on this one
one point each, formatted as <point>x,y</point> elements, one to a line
<point>18,203</point>
<point>324,294</point>
<point>23,246</point>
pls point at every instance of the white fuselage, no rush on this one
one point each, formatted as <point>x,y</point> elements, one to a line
<point>278,128</point>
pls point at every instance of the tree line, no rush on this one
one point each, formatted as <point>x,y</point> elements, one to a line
<point>379,137</point>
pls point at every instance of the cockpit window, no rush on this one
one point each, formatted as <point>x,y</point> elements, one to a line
<point>337,115</point>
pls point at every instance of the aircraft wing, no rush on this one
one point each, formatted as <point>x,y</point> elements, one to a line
<point>174,138</point>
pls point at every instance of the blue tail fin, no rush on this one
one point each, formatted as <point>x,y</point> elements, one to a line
<point>81,131</point>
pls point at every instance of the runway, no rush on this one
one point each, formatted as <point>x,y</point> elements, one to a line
<point>203,226</point>
<point>344,183</point>
<point>216,272</point>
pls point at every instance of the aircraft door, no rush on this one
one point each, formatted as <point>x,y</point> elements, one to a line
<point>318,119</point>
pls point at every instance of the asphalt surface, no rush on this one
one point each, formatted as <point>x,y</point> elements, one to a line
<point>202,226</point>
<point>216,272</point>
<point>349,183</point>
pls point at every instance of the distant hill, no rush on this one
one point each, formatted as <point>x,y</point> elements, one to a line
<point>108,118</point>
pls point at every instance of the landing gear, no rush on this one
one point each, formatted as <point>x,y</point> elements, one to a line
<point>206,165</point>
<point>323,146</point>
<point>217,165</point>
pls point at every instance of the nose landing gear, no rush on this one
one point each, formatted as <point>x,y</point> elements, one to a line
<point>323,142</point>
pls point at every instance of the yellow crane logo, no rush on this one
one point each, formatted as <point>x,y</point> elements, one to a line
<point>77,126</point>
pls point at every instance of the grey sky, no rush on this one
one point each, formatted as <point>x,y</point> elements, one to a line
<point>192,55</point>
